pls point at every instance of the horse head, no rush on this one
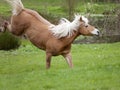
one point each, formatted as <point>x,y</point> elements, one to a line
<point>87,29</point>
<point>79,25</point>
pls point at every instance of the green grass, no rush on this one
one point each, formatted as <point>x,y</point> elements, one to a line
<point>96,8</point>
<point>96,67</point>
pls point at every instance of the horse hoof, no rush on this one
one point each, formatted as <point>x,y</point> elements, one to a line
<point>0,29</point>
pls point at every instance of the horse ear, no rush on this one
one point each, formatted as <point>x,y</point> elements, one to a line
<point>81,19</point>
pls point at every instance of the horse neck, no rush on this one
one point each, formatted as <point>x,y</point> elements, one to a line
<point>69,40</point>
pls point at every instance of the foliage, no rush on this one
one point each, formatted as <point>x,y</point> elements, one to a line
<point>58,7</point>
<point>53,10</point>
<point>70,5</point>
<point>96,67</point>
<point>8,41</point>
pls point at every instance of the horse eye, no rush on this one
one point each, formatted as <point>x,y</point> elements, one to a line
<point>86,26</point>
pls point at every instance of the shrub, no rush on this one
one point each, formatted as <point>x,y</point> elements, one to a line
<point>8,41</point>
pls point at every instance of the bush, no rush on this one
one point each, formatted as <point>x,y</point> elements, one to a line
<point>8,41</point>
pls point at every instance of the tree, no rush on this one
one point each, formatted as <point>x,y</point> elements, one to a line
<point>71,7</point>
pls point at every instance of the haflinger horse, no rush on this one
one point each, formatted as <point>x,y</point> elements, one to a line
<point>54,39</point>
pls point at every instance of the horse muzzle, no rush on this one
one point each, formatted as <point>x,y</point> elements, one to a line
<point>96,32</point>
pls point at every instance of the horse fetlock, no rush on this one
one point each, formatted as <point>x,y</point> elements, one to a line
<point>0,29</point>
<point>5,24</point>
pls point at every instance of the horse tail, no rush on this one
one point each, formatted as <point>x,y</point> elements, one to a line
<point>16,5</point>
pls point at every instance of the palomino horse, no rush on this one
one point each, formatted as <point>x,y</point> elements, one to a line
<point>54,39</point>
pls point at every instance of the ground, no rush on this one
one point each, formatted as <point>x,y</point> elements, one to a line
<point>96,67</point>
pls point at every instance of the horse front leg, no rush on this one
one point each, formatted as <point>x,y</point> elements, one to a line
<point>48,60</point>
<point>68,58</point>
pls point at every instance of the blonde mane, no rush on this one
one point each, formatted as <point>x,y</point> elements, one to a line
<point>67,28</point>
<point>16,5</point>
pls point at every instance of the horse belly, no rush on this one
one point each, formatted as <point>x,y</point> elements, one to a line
<point>57,47</point>
<point>38,44</point>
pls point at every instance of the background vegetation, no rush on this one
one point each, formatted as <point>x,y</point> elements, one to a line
<point>9,41</point>
<point>104,14</point>
<point>62,8</point>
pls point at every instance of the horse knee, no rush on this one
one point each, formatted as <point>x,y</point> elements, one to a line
<point>68,58</point>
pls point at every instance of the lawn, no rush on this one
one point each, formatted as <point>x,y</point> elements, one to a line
<point>96,67</point>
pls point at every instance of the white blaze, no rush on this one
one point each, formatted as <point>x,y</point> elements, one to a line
<point>95,32</point>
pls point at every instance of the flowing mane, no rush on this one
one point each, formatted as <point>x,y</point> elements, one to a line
<point>67,28</point>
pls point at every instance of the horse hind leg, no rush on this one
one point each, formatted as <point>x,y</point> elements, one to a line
<point>68,58</point>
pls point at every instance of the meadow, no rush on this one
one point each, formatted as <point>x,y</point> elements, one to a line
<point>96,67</point>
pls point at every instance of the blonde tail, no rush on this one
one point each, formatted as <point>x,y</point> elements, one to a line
<point>17,6</point>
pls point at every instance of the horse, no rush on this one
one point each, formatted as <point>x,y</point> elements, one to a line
<point>53,39</point>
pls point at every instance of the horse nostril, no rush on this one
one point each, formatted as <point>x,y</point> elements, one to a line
<point>98,32</point>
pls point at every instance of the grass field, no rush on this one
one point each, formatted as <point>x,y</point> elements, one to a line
<point>96,67</point>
